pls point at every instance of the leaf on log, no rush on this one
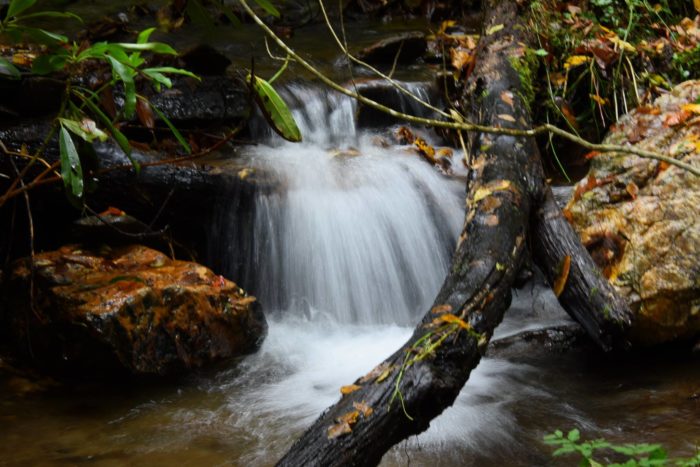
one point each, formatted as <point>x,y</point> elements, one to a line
<point>562,275</point>
<point>364,409</point>
<point>376,372</point>
<point>507,118</point>
<point>441,309</point>
<point>350,388</point>
<point>452,319</point>
<point>488,189</point>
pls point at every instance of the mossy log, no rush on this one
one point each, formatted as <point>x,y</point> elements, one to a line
<point>507,201</point>
<point>415,384</point>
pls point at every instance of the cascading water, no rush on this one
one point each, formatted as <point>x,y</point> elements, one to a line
<point>346,256</point>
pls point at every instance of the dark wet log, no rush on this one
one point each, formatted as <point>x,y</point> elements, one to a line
<point>415,384</point>
<point>587,295</point>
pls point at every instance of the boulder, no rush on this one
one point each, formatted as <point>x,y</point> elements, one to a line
<point>130,308</point>
<point>640,218</point>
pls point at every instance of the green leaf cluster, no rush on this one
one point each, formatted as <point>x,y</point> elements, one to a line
<point>636,455</point>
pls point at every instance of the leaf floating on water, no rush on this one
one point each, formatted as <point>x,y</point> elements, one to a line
<point>562,275</point>
<point>364,409</point>
<point>350,388</point>
<point>274,109</point>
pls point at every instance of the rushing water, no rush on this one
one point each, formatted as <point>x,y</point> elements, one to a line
<point>346,254</point>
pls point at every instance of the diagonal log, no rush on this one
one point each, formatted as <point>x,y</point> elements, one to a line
<point>415,384</point>
<point>587,295</point>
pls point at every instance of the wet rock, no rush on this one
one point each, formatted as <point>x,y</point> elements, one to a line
<point>640,218</point>
<point>130,309</point>
<point>408,46</point>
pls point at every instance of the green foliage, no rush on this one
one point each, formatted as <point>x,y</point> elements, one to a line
<point>274,109</point>
<point>635,455</point>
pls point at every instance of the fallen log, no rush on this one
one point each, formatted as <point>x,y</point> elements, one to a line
<point>587,295</point>
<point>405,392</point>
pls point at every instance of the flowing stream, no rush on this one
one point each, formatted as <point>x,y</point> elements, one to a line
<point>347,252</point>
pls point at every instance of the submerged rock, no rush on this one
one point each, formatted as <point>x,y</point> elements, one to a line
<point>640,218</point>
<point>130,308</point>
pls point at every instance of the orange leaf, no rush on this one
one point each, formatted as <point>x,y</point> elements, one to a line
<point>676,118</point>
<point>632,189</point>
<point>338,430</point>
<point>452,319</point>
<point>425,149</point>
<point>562,275</point>
<point>591,155</point>
<point>441,309</point>
<point>344,390</point>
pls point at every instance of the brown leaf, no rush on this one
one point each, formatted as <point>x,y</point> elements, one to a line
<point>425,149</point>
<point>507,97</point>
<point>350,418</point>
<point>676,118</point>
<point>452,319</point>
<point>145,114</point>
<point>339,429</point>
<point>364,409</point>
<point>375,372</point>
<point>506,117</point>
<point>632,189</point>
<point>460,58</point>
<point>441,309</point>
<point>350,388</point>
<point>562,275</point>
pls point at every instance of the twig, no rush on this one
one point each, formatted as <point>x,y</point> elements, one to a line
<point>467,126</point>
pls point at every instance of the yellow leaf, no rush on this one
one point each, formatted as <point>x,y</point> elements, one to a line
<point>692,108</point>
<point>598,99</point>
<point>344,390</point>
<point>696,4</point>
<point>350,418</point>
<point>375,372</point>
<point>576,60</point>
<point>441,309</point>
<point>494,29</point>
<point>487,190</point>
<point>385,374</point>
<point>445,25</point>
<point>562,275</point>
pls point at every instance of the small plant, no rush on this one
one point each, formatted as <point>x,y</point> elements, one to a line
<point>634,455</point>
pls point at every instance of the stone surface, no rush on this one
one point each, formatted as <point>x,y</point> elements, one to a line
<point>130,308</point>
<point>640,218</point>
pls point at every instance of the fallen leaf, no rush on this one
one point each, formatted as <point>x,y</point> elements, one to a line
<point>441,309</point>
<point>375,372</point>
<point>494,29</point>
<point>692,108</point>
<point>425,149</point>
<point>507,97</point>
<point>506,117</point>
<point>145,113</point>
<point>576,60</point>
<point>591,155</point>
<point>350,418</point>
<point>452,319</point>
<point>338,430</point>
<point>696,4</point>
<point>632,189</point>
<point>598,99</point>
<point>364,409</point>
<point>460,58</point>
<point>676,118</point>
<point>488,189</point>
<point>350,388</point>
<point>562,275</point>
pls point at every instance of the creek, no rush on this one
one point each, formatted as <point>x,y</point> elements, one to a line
<point>347,252</point>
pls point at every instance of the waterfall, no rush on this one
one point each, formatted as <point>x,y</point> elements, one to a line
<point>356,232</point>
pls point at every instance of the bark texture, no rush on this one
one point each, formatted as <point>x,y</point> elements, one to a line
<point>404,393</point>
<point>587,295</point>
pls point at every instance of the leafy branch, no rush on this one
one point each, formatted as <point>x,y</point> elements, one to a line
<point>458,122</point>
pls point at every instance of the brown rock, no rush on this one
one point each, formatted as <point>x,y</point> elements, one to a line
<point>641,219</point>
<point>130,308</point>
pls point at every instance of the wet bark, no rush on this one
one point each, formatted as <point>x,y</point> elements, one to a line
<point>587,295</point>
<point>415,384</point>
